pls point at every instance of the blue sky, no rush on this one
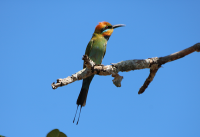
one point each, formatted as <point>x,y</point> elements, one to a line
<point>41,41</point>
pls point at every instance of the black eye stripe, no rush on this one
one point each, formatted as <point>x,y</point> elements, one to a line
<point>107,27</point>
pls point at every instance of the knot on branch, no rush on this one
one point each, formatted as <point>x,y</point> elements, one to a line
<point>197,47</point>
<point>117,80</point>
<point>154,63</point>
<point>88,62</point>
<point>53,85</point>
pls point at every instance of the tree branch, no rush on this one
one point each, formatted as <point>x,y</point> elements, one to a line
<point>153,63</point>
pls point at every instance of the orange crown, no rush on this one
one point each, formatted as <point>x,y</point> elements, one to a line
<point>102,25</point>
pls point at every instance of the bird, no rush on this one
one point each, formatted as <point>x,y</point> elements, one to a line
<point>95,50</point>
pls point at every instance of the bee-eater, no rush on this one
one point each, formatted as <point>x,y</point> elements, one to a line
<point>95,50</point>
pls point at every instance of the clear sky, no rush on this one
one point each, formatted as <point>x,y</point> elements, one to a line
<point>41,41</point>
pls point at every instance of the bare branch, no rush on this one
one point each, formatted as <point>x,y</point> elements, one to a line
<point>148,80</point>
<point>180,54</point>
<point>153,63</point>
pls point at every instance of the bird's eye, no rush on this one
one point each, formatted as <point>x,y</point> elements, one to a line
<point>109,27</point>
<point>105,29</point>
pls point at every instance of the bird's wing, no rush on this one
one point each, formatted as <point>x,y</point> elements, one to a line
<point>104,51</point>
<point>88,49</point>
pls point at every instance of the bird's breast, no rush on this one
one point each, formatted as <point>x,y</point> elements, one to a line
<point>98,50</point>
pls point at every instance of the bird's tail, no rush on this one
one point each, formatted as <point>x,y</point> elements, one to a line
<point>84,91</point>
<point>83,95</point>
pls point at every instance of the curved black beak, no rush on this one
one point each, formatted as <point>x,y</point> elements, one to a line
<point>118,25</point>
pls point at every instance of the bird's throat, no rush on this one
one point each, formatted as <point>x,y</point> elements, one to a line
<point>106,37</point>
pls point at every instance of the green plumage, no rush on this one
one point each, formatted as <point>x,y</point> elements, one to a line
<point>96,50</point>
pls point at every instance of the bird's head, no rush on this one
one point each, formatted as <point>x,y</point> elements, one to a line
<point>105,28</point>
